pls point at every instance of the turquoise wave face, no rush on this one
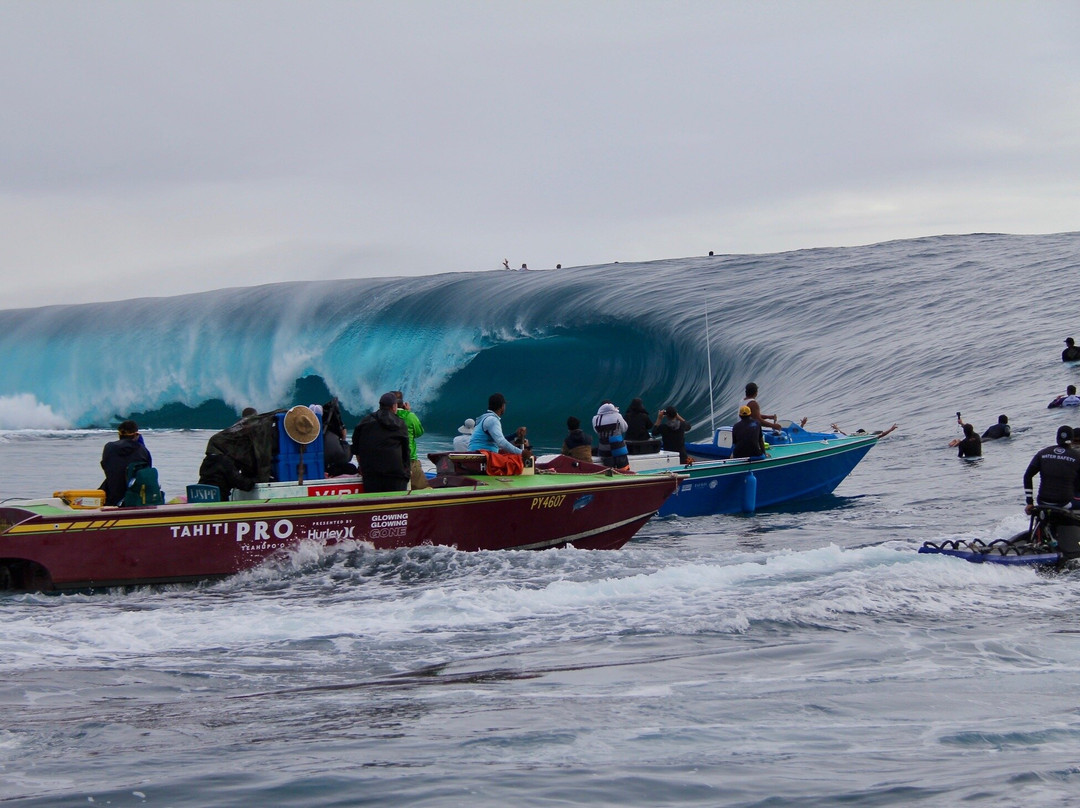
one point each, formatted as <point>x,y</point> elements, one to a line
<point>823,332</point>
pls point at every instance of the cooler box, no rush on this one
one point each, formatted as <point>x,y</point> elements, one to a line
<point>287,457</point>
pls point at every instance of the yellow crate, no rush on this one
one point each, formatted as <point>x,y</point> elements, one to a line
<point>86,500</point>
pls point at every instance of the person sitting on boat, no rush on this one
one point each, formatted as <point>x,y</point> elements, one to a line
<point>381,445</point>
<point>1071,352</point>
<point>337,452</point>
<point>671,428</point>
<point>1070,399</point>
<point>747,439</point>
<point>970,445</point>
<point>609,426</point>
<point>999,430</point>
<point>577,444</point>
<point>1058,467</point>
<point>766,421</point>
<point>117,456</point>
<point>488,433</point>
<point>461,440</point>
<point>638,421</point>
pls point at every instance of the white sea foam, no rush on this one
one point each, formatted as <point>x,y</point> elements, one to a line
<point>24,411</point>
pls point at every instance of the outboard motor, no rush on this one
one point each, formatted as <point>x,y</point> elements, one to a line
<point>1067,533</point>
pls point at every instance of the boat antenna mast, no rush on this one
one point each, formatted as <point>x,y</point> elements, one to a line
<point>708,364</point>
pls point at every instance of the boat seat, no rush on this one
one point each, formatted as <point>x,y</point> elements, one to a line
<point>203,493</point>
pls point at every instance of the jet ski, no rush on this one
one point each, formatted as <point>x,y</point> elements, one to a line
<point>1052,540</point>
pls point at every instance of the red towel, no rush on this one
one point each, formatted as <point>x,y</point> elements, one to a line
<point>503,465</point>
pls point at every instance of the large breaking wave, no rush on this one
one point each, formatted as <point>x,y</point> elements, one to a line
<point>826,327</point>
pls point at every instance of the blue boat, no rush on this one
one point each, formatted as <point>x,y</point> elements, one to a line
<point>799,465</point>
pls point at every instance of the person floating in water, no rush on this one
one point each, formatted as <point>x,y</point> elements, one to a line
<point>1071,352</point>
<point>999,430</point>
<point>1070,399</point>
<point>970,445</point>
<point>881,433</point>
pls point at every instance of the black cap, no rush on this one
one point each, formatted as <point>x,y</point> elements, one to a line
<point>1064,434</point>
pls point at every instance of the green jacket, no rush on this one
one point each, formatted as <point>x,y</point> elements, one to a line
<point>416,429</point>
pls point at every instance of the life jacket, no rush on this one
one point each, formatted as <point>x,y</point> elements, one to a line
<point>142,487</point>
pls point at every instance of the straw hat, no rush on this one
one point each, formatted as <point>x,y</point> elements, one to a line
<point>301,424</point>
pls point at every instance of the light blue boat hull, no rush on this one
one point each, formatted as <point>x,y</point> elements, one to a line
<point>795,471</point>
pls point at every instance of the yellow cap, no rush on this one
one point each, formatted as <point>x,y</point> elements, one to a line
<point>744,410</point>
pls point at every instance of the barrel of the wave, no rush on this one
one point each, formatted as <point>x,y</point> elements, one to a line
<point>749,496</point>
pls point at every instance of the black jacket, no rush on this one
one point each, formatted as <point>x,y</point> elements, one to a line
<point>381,445</point>
<point>115,458</point>
<point>220,470</point>
<point>638,424</point>
<point>746,438</point>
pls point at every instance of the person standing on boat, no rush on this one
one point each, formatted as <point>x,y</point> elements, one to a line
<point>671,428</point>
<point>412,423</point>
<point>381,445</point>
<point>746,437</point>
<point>638,421</point>
<point>766,421</point>
<point>488,433</point>
<point>609,426</point>
<point>1058,467</point>
<point>115,458</point>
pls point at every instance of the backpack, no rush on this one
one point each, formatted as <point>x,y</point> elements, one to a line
<point>142,487</point>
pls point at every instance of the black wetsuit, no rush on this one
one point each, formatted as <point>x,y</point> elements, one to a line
<point>971,446</point>
<point>1058,468</point>
<point>746,438</point>
<point>1071,354</point>
<point>997,431</point>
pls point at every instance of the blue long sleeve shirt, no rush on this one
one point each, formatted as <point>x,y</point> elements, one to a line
<point>488,435</point>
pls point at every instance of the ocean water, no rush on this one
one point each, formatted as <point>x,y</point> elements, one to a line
<point>804,656</point>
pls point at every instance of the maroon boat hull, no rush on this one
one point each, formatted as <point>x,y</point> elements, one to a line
<point>59,548</point>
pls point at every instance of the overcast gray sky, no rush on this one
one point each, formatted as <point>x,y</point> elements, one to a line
<point>156,148</point>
